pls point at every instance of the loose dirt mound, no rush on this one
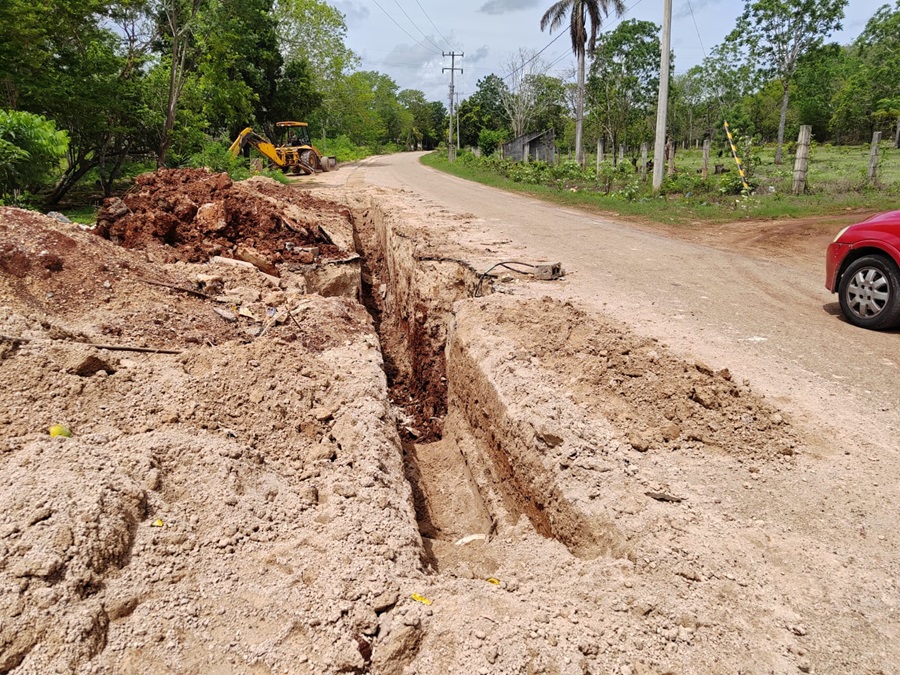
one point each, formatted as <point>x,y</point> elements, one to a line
<point>659,401</point>
<point>59,281</point>
<point>237,507</point>
<point>196,214</point>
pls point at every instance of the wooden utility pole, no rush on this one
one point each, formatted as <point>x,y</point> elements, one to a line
<point>801,162</point>
<point>659,158</point>
<point>873,157</point>
<point>451,149</point>
<point>704,171</point>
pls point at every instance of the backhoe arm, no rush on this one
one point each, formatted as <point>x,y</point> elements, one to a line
<point>262,145</point>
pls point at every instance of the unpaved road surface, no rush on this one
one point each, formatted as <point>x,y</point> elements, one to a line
<point>677,459</point>
<point>731,296</point>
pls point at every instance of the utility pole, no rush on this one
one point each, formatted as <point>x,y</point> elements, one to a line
<point>659,157</point>
<point>458,94</point>
<point>451,149</point>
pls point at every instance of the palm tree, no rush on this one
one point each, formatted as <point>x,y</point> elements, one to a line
<point>580,11</point>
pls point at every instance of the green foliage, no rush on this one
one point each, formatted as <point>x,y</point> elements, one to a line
<point>30,151</point>
<point>490,140</point>
<point>623,82</point>
<point>483,110</point>
<point>215,157</point>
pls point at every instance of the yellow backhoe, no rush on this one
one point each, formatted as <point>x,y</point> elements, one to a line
<point>296,154</point>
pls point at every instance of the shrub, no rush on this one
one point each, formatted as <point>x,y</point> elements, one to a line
<point>30,148</point>
<point>489,141</point>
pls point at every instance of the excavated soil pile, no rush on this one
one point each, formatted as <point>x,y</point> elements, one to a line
<point>65,283</point>
<point>196,214</point>
<point>659,401</point>
<point>239,506</point>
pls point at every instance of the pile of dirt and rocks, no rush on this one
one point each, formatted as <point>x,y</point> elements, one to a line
<point>196,214</point>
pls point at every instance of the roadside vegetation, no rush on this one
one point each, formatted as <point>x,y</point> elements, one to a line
<point>837,182</point>
<point>94,92</point>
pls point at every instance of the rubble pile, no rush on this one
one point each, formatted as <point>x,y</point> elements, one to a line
<point>195,214</point>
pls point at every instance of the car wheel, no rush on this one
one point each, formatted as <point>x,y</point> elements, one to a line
<point>869,293</point>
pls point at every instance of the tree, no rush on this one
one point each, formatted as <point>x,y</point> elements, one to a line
<point>521,101</point>
<point>30,147</point>
<point>779,32</point>
<point>483,110</point>
<point>623,81</point>
<point>871,76</point>
<point>580,13</point>
<point>177,23</point>
<point>314,31</point>
<point>819,74</point>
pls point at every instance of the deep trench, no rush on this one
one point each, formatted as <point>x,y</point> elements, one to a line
<point>410,298</point>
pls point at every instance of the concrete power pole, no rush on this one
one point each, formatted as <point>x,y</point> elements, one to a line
<point>458,96</point>
<point>451,149</point>
<point>659,157</point>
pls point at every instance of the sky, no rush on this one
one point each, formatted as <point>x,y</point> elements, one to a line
<point>405,38</point>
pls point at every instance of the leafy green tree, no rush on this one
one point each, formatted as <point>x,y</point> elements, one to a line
<point>581,12</point>
<point>176,24</point>
<point>871,76</point>
<point>30,148</point>
<point>314,31</point>
<point>483,110</point>
<point>553,111</point>
<point>623,81</point>
<point>295,96</point>
<point>778,32</point>
<point>816,82</point>
<point>426,127</point>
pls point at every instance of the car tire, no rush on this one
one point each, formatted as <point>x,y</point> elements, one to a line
<point>869,293</point>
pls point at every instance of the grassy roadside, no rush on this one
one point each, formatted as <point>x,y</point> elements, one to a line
<point>835,194</point>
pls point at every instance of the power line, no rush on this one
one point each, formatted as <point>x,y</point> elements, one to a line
<point>426,47</point>
<point>436,46</point>
<point>432,24</point>
<point>606,29</point>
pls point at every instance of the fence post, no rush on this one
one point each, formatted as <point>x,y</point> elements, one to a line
<point>873,157</point>
<point>801,161</point>
<point>670,154</point>
<point>643,161</point>
<point>704,171</point>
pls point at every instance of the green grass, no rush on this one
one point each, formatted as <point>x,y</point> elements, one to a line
<point>836,183</point>
<point>85,214</point>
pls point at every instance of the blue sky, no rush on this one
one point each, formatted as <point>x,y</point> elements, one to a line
<point>405,38</point>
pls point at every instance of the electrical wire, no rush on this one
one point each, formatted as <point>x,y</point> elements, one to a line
<point>426,47</point>
<point>434,26</point>
<point>506,264</point>
<point>436,46</point>
<point>606,29</point>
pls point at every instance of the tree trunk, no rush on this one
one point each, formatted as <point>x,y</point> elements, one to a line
<point>579,108</point>
<point>73,174</point>
<point>897,135</point>
<point>781,123</point>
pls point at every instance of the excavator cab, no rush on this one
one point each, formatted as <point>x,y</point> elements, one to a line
<point>293,134</point>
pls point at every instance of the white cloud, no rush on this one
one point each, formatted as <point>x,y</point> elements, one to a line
<point>503,6</point>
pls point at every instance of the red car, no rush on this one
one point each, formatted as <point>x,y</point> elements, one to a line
<point>863,267</point>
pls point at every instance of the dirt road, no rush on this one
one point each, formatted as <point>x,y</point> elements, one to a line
<point>822,536</point>
<point>767,318</point>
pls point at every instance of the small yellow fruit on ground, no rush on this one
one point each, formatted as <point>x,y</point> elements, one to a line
<point>60,430</point>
